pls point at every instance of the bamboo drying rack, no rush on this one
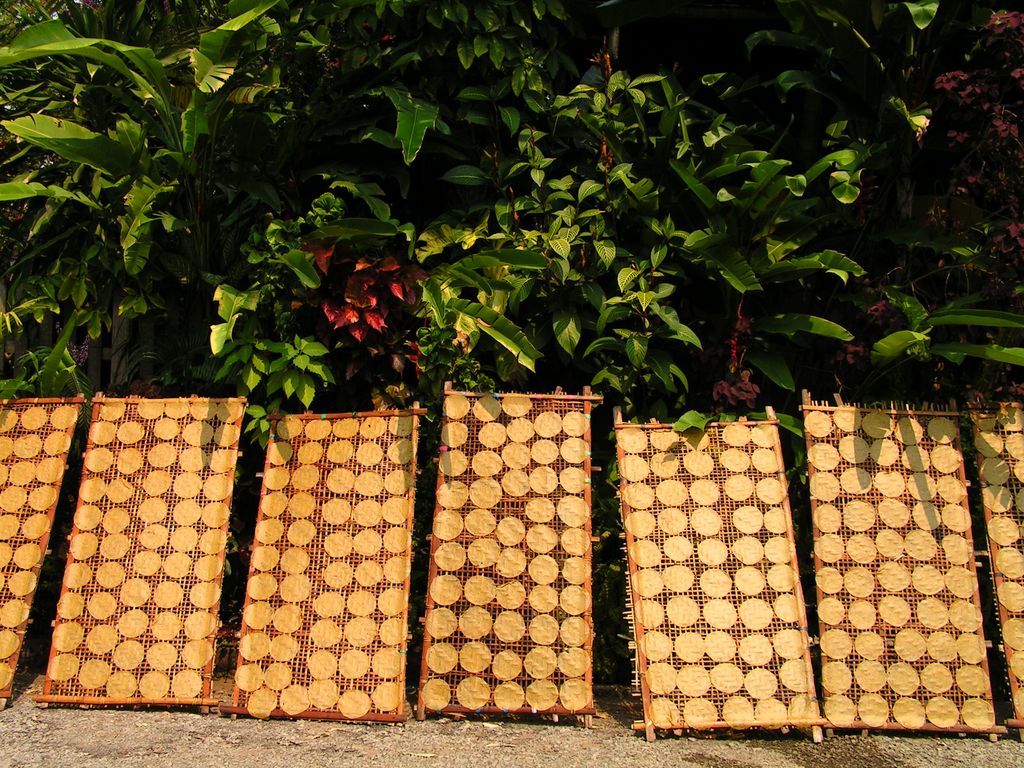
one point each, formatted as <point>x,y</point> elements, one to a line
<point>918,414</point>
<point>1014,485</point>
<point>712,433</point>
<point>319,558</point>
<point>18,406</point>
<point>114,413</point>
<point>562,404</point>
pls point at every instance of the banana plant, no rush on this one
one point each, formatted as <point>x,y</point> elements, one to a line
<point>873,62</point>
<point>148,172</point>
<point>877,54</point>
<point>482,275</point>
<point>963,314</point>
<point>48,371</point>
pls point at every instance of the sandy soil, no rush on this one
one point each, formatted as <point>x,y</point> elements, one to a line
<point>55,737</point>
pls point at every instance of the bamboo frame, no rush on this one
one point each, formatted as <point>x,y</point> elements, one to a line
<point>1016,685</point>
<point>110,701</point>
<point>280,714</point>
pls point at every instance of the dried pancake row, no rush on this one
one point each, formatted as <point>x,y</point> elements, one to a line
<point>324,624</point>
<point>900,623</point>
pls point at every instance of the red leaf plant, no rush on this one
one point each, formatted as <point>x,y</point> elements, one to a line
<point>361,294</point>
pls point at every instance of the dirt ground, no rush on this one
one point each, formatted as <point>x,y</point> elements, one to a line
<point>56,737</point>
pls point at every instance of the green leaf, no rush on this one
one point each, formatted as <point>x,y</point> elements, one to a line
<point>250,377</point>
<point>194,122</point>
<point>602,343</point>
<point>465,52</point>
<point>605,252</point>
<point>72,142</point>
<point>842,188</point>
<point>893,346</point>
<point>219,335</point>
<point>248,94</point>
<point>911,308</point>
<point>44,33</point>
<point>136,224</point>
<point>691,420</point>
<point>796,184</point>
<point>627,276</point>
<point>231,301</point>
<point>702,193</point>
<point>354,228</point>
<point>610,313</point>
<point>301,264</point>
<point>518,258</point>
<point>774,366</point>
<point>458,275</point>
<point>989,318</point>
<point>922,13</point>
<point>465,176</point>
<point>510,117</point>
<point>737,271</point>
<point>842,158</point>
<point>788,324</point>
<point>587,188</point>
<point>472,93</point>
<point>415,118</point>
<point>209,77</point>
<point>214,44</point>
<point>52,376</point>
<point>566,324</point>
<point>560,246</point>
<point>832,262</point>
<point>993,352</point>
<point>18,190</point>
<point>305,389</point>
<point>499,328</point>
<point>775,38</point>
<point>288,382</point>
<point>663,368</point>
<point>679,331</point>
<point>53,39</point>
<point>636,350</point>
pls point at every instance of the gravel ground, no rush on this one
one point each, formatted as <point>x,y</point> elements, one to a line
<point>56,737</point>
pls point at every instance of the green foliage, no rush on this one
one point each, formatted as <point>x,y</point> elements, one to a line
<point>917,340</point>
<point>122,214</point>
<point>588,192</point>
<point>47,371</point>
<point>257,341</point>
<point>485,274</point>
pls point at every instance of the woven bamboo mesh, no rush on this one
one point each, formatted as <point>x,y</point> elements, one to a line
<point>137,614</point>
<point>999,440</point>
<point>325,619</point>
<point>901,636</point>
<point>508,623</point>
<point>718,614</point>
<point>34,439</point>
